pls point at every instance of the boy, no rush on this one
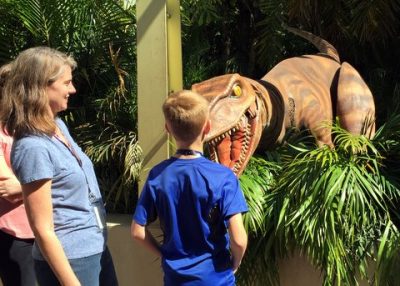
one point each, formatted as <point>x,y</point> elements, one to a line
<point>196,200</point>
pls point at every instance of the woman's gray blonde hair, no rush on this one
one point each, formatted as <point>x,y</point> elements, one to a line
<point>24,105</point>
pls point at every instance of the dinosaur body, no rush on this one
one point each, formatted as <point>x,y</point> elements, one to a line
<point>299,92</point>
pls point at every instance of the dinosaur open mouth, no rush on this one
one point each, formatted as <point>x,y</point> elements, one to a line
<point>231,148</point>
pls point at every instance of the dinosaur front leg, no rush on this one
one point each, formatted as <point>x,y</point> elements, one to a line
<point>322,133</point>
<point>314,112</point>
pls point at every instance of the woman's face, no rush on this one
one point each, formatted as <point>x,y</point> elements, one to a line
<point>60,90</point>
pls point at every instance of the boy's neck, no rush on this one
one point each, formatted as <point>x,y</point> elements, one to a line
<point>197,147</point>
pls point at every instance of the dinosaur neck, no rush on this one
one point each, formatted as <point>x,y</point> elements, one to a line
<point>274,110</point>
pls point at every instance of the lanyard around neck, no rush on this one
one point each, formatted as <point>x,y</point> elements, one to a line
<point>189,152</point>
<point>67,144</point>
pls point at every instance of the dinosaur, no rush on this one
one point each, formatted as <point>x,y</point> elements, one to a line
<point>307,91</point>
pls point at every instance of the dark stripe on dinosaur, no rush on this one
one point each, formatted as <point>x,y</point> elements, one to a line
<point>334,95</point>
<point>272,132</point>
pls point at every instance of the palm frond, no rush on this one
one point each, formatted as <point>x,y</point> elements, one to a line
<point>257,179</point>
<point>332,205</point>
<point>375,20</point>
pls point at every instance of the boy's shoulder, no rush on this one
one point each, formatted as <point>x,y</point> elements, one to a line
<point>216,167</point>
<point>202,165</point>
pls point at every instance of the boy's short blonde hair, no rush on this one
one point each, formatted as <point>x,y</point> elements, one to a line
<point>186,113</point>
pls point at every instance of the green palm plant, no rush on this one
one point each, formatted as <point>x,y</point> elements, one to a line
<point>335,206</point>
<point>101,37</point>
<point>257,180</point>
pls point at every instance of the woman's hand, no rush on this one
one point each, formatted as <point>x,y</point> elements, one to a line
<point>10,189</point>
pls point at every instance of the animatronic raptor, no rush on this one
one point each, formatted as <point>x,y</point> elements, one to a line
<point>299,92</point>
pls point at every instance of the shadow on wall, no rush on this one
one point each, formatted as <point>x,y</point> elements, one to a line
<point>298,271</point>
<point>134,264</point>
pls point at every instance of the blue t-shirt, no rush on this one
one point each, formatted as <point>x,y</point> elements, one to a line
<point>74,190</point>
<point>193,199</point>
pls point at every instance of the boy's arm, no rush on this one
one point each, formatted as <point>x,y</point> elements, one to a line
<point>238,240</point>
<point>144,237</point>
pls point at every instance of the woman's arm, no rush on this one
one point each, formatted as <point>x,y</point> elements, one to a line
<point>10,188</point>
<point>38,204</point>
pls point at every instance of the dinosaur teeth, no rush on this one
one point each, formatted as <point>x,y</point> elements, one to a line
<point>212,156</point>
<point>241,131</point>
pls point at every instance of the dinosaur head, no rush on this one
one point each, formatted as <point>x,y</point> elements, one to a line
<point>236,115</point>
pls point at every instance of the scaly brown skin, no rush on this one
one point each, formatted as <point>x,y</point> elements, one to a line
<point>300,92</point>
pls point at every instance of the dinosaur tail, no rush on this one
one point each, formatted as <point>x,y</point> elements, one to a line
<point>322,45</point>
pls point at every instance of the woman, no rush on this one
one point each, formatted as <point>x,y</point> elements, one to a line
<point>16,237</point>
<point>60,190</point>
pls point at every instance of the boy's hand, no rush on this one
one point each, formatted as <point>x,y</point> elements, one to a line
<point>235,266</point>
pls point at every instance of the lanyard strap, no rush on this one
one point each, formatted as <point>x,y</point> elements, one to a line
<point>70,148</point>
<point>189,152</point>
<point>92,197</point>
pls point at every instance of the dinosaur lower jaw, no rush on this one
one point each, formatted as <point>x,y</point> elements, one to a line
<point>231,148</point>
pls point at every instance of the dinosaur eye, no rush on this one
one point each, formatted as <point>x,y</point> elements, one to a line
<point>237,91</point>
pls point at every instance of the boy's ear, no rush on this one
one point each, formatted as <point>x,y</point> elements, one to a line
<point>166,127</point>
<point>207,127</point>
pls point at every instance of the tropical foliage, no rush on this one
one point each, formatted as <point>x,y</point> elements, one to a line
<point>101,37</point>
<point>336,207</point>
